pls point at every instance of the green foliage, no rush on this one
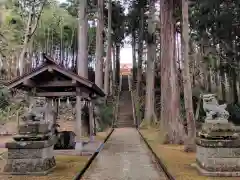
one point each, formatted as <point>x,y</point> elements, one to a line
<point>139,104</point>
<point>234,111</point>
<point>4,98</point>
<point>106,115</point>
<point>216,23</point>
<point>7,108</point>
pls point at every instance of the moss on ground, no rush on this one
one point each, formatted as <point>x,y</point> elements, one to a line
<point>101,136</point>
<point>176,160</point>
<point>66,169</point>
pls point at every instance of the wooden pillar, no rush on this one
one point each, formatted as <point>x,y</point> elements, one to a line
<point>50,115</point>
<point>94,119</point>
<point>78,126</point>
<point>91,118</point>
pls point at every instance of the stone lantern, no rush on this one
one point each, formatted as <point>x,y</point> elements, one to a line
<point>218,143</point>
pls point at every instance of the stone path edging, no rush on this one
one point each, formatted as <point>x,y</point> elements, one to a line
<point>158,160</point>
<point>87,165</point>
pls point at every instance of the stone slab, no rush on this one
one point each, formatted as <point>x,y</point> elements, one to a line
<point>215,174</point>
<point>30,153</point>
<point>218,152</point>
<point>31,137</point>
<point>30,144</point>
<point>221,164</point>
<point>222,121</point>
<point>235,143</point>
<point>33,128</point>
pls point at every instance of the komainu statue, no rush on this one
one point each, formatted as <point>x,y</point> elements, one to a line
<point>213,110</point>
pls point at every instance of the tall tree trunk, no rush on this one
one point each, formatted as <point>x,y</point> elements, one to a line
<point>190,144</point>
<point>82,60</point>
<point>99,46</point>
<point>109,46</point>
<point>82,63</point>
<point>150,72</point>
<point>114,64</point>
<point>234,77</point>
<point>140,53</point>
<point>117,76</point>
<point>134,60</point>
<point>169,116</point>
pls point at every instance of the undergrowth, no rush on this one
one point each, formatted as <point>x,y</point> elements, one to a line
<point>106,116</point>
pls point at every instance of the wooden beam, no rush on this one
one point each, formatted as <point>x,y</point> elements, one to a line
<point>21,80</point>
<point>85,95</point>
<point>50,69</point>
<point>81,80</point>
<point>57,84</point>
<point>29,83</point>
<point>55,94</point>
<point>74,81</point>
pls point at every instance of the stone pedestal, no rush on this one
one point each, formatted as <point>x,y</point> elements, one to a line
<point>218,150</point>
<point>32,151</point>
<point>30,158</point>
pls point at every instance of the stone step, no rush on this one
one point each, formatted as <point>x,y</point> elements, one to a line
<point>124,113</point>
<point>125,109</point>
<point>121,122</point>
<point>125,121</point>
<point>122,126</point>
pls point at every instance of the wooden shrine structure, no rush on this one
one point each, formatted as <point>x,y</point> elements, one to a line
<point>51,80</point>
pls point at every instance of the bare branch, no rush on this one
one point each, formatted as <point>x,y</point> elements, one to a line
<point>38,18</point>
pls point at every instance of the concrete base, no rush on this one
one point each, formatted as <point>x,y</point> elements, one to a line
<point>79,146</point>
<point>215,174</point>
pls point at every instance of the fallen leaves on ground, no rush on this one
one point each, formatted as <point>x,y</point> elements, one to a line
<point>66,169</point>
<point>176,160</point>
<point>101,136</point>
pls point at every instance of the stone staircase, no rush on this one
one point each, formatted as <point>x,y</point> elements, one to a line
<point>125,106</point>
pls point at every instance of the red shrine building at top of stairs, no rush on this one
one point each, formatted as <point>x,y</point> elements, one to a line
<point>125,68</point>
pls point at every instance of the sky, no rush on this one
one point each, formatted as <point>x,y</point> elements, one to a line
<point>125,53</point>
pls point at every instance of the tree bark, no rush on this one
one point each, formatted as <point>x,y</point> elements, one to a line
<point>151,55</point>
<point>190,144</point>
<point>140,53</point>
<point>82,62</point>
<point>109,46</point>
<point>114,64</point>
<point>99,46</point>
<point>170,124</point>
<point>117,76</point>
<point>134,60</point>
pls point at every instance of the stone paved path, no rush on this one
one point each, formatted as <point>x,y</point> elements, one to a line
<point>124,157</point>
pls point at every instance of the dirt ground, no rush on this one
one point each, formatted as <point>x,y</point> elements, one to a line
<point>67,168</point>
<point>176,160</point>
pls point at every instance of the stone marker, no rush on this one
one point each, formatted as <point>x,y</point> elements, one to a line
<point>32,151</point>
<point>218,144</point>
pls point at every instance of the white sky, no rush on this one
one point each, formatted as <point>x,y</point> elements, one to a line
<point>125,53</point>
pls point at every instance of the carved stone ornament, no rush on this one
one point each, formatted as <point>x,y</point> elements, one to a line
<point>213,110</point>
